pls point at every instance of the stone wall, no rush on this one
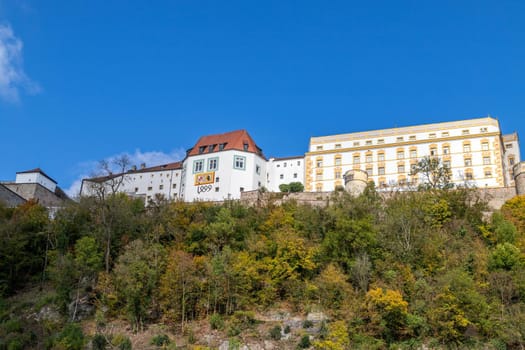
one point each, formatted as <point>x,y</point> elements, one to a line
<point>10,198</point>
<point>519,177</point>
<point>37,192</point>
<point>494,196</point>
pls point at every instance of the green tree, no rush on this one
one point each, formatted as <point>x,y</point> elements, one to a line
<point>136,275</point>
<point>292,187</point>
<point>435,175</point>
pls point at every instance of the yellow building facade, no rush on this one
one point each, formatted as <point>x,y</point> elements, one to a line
<point>475,151</point>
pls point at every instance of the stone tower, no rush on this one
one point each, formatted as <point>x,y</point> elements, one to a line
<point>356,181</point>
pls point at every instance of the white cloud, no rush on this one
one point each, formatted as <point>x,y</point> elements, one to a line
<point>12,75</point>
<point>89,168</point>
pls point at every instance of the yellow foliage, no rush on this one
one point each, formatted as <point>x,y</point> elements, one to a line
<point>337,338</point>
<point>387,300</point>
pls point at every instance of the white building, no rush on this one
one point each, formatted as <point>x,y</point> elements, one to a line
<point>161,181</point>
<point>283,171</point>
<point>36,176</point>
<point>221,166</point>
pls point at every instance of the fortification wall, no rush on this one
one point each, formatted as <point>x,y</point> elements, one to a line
<point>495,197</point>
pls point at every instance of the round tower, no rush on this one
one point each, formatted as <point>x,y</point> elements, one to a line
<point>355,181</point>
<point>519,177</point>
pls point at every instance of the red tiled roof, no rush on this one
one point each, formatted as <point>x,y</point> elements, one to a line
<point>238,140</point>
<point>36,170</point>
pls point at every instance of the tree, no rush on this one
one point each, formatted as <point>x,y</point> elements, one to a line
<point>136,275</point>
<point>434,173</point>
<point>292,187</point>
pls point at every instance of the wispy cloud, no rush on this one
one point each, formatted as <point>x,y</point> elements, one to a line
<point>12,75</point>
<point>151,158</point>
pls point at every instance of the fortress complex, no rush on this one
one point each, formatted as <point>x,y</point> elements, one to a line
<point>223,166</point>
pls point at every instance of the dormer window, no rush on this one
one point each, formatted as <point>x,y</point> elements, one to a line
<point>245,146</point>
<point>222,146</point>
<point>201,149</point>
<point>211,148</point>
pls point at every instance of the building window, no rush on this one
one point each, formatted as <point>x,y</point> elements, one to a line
<point>369,171</point>
<point>319,148</point>
<point>281,176</point>
<point>201,149</point>
<point>150,188</point>
<point>337,174</point>
<point>174,186</point>
<point>357,159</point>
<point>488,173</point>
<point>198,166</point>
<point>466,148</point>
<point>433,151</point>
<point>380,141</point>
<point>295,175</point>
<point>337,160</point>
<point>258,169</point>
<point>446,150</point>
<point>241,189</point>
<point>400,154</point>
<point>465,132</point>
<point>413,153</point>
<point>484,146</point>
<point>381,170</point>
<point>468,175</point>
<point>136,189</point>
<point>399,139</point>
<point>213,164</point>
<point>445,134</point>
<point>381,157</point>
<point>401,168</point>
<point>216,189</point>
<point>161,187</point>
<point>217,179</point>
<point>319,163</point>
<point>284,165</point>
<point>298,162</point>
<point>211,148</point>
<point>368,142</point>
<point>486,160</point>
<point>245,146</point>
<point>239,162</point>
<point>446,164</point>
<point>337,145</point>
<point>508,146</point>
<point>511,160</point>
<point>483,129</point>
<point>369,158</point>
<point>412,137</point>
<point>468,162</point>
<point>319,187</point>
<point>319,177</point>
<point>432,136</point>
<point>222,146</point>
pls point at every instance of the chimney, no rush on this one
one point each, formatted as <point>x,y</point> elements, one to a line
<point>134,168</point>
<point>142,165</point>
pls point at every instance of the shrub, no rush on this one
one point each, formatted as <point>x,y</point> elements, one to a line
<point>307,324</point>
<point>99,342</point>
<point>160,340</point>
<point>216,322</point>
<point>287,329</point>
<point>71,337</point>
<point>275,333</point>
<point>304,343</point>
<point>121,342</point>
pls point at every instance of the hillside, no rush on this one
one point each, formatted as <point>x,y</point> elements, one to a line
<point>416,269</point>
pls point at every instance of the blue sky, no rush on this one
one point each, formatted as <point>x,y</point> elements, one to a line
<point>82,81</point>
